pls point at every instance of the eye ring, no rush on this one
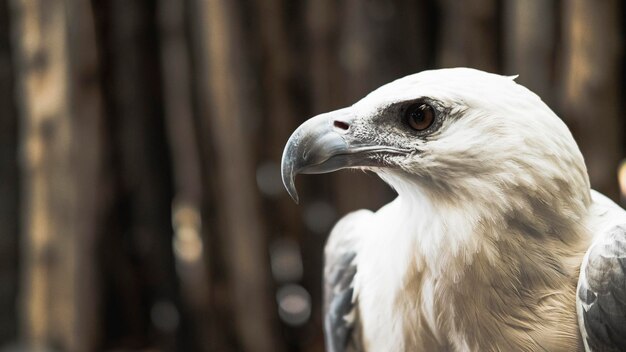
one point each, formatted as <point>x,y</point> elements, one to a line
<point>419,116</point>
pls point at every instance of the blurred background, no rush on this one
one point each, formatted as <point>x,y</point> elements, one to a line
<point>141,205</point>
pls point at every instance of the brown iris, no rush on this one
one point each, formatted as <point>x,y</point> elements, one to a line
<point>420,116</point>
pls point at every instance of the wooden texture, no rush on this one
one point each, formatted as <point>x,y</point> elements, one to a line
<point>190,248</point>
<point>141,165</point>
<point>9,184</point>
<point>59,105</point>
<point>227,115</point>
<point>593,55</point>
<point>140,141</point>
<point>531,29</point>
<point>469,34</point>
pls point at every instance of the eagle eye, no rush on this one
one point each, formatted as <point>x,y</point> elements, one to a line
<point>419,116</point>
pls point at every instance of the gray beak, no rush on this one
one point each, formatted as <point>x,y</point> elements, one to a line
<point>324,144</point>
<point>316,147</point>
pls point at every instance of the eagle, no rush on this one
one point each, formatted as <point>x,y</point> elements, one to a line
<point>495,241</point>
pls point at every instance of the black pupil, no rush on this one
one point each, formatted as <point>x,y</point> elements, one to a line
<point>417,113</point>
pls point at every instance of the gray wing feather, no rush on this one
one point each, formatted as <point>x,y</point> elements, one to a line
<point>341,323</point>
<point>602,293</point>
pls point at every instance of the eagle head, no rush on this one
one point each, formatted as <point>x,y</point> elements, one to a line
<point>452,135</point>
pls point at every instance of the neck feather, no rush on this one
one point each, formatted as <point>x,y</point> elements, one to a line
<point>449,234</point>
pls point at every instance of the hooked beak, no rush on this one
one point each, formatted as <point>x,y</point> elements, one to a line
<point>324,144</point>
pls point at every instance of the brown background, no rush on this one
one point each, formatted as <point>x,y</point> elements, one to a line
<point>140,141</point>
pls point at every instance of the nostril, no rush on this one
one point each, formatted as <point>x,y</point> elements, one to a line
<point>342,125</point>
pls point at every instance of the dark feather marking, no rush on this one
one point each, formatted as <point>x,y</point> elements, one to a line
<point>604,293</point>
<point>340,334</point>
<point>339,302</point>
<point>337,329</point>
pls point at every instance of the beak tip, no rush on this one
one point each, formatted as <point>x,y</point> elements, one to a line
<point>291,189</point>
<point>288,176</point>
<point>295,198</point>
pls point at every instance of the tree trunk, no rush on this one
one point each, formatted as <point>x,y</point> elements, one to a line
<point>189,247</point>
<point>529,50</point>
<point>468,34</point>
<point>9,188</point>
<point>281,95</point>
<point>141,257</point>
<point>60,107</point>
<point>228,114</point>
<point>593,46</point>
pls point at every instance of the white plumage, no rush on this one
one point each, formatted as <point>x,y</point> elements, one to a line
<point>481,250</point>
